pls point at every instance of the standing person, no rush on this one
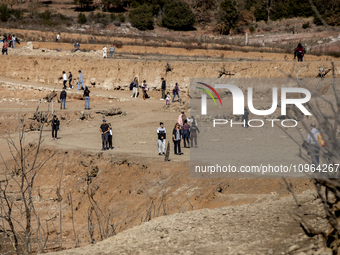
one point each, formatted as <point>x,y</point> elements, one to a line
<point>63,95</point>
<point>177,137</point>
<point>104,130</point>
<point>144,88</point>
<point>134,87</point>
<point>81,80</point>
<point>76,46</point>
<point>112,51</point>
<point>186,134</point>
<point>87,98</point>
<point>168,98</point>
<point>110,137</point>
<point>245,117</point>
<point>64,79</point>
<point>161,134</point>
<point>193,132</point>
<point>5,48</point>
<point>58,38</point>
<point>163,88</point>
<point>70,80</point>
<point>13,41</point>
<point>55,127</point>
<point>104,52</point>
<point>313,140</point>
<point>299,52</point>
<point>175,92</point>
<point>181,118</point>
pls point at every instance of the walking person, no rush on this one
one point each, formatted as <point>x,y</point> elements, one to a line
<point>144,88</point>
<point>163,88</point>
<point>313,141</point>
<point>9,41</point>
<point>104,52</point>
<point>245,117</point>
<point>63,96</point>
<point>58,38</point>
<point>76,46</point>
<point>55,127</point>
<point>81,80</point>
<point>70,80</point>
<point>13,41</point>
<point>177,137</point>
<point>193,132</point>
<point>5,48</point>
<point>87,98</point>
<point>104,130</point>
<point>110,137</point>
<point>186,134</point>
<point>134,85</point>
<point>181,118</point>
<point>64,79</point>
<point>161,134</point>
<point>175,92</point>
<point>112,51</point>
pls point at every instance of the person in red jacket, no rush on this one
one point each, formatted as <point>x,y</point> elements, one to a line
<point>299,52</point>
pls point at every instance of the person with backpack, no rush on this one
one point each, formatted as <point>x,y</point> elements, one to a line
<point>55,127</point>
<point>87,98</point>
<point>315,140</point>
<point>63,95</point>
<point>299,52</point>
<point>175,91</point>
<point>134,86</point>
<point>161,134</point>
<point>177,137</point>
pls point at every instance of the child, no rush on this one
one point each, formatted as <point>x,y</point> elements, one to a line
<point>168,97</point>
<point>110,137</point>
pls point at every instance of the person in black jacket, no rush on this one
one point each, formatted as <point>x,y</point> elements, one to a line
<point>87,98</point>
<point>163,88</point>
<point>177,137</point>
<point>245,117</point>
<point>63,95</point>
<point>55,127</point>
<point>105,130</point>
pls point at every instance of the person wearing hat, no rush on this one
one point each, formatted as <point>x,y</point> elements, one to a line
<point>81,80</point>
<point>104,130</point>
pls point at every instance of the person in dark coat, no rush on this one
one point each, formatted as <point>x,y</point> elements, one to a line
<point>177,137</point>
<point>63,95</point>
<point>163,88</point>
<point>55,127</point>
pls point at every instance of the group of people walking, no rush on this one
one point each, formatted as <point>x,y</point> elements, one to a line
<point>8,41</point>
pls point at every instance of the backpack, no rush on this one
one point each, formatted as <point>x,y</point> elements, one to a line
<point>321,140</point>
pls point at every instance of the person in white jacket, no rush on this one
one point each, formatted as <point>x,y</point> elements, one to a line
<point>312,139</point>
<point>64,79</point>
<point>104,52</point>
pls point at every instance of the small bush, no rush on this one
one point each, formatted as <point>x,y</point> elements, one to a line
<point>4,13</point>
<point>142,17</point>
<point>46,15</point>
<point>305,25</point>
<point>121,17</point>
<point>118,44</point>
<point>251,29</point>
<point>82,18</point>
<point>113,17</point>
<point>178,16</point>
